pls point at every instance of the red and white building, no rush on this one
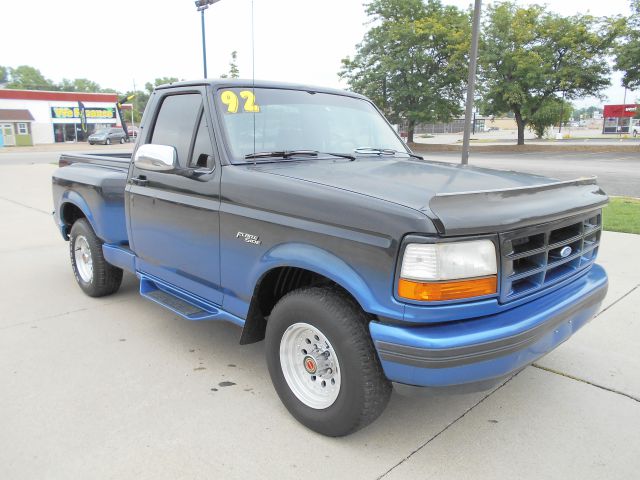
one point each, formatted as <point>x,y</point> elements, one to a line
<point>618,118</point>
<point>32,117</point>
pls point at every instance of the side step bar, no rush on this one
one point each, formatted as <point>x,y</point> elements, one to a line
<point>182,303</point>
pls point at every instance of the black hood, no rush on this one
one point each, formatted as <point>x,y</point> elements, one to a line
<point>460,200</point>
<point>407,182</point>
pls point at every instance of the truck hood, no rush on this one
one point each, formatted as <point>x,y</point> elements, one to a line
<point>459,199</point>
<point>407,182</point>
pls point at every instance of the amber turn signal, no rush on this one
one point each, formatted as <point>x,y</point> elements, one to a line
<point>451,290</point>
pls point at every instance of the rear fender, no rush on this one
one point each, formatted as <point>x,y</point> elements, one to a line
<point>74,198</point>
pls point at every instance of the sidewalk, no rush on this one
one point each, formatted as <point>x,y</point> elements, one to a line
<point>119,387</point>
<point>506,140</point>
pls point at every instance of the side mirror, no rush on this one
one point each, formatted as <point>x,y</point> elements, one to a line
<point>157,158</point>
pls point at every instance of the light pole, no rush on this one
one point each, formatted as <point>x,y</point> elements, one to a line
<point>473,61</point>
<point>201,6</point>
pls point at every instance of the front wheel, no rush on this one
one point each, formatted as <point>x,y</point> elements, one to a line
<point>322,362</point>
<point>107,141</point>
<point>94,275</point>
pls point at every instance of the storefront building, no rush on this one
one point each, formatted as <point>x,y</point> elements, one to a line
<point>32,117</point>
<point>618,118</point>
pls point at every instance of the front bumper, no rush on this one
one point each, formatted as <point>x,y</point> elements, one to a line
<point>491,346</point>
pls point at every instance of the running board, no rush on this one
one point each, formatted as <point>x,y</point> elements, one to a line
<point>182,303</point>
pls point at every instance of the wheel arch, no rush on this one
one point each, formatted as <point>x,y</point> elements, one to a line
<point>292,266</point>
<point>72,207</point>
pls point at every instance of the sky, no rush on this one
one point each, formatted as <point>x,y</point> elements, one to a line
<point>122,42</point>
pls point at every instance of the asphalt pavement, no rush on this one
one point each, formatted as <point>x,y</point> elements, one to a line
<point>618,173</point>
<point>118,387</point>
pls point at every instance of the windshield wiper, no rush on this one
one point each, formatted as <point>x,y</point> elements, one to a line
<point>295,153</point>
<point>282,154</point>
<point>384,151</point>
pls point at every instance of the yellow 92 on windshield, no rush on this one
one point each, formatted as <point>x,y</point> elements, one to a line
<point>231,100</point>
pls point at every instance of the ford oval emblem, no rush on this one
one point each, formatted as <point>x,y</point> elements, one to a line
<point>566,251</point>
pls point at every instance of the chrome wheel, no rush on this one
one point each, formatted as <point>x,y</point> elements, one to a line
<point>84,261</point>
<point>310,365</point>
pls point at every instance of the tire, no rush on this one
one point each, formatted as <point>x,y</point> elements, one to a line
<point>90,143</point>
<point>121,141</point>
<point>107,141</point>
<point>94,275</point>
<point>362,391</point>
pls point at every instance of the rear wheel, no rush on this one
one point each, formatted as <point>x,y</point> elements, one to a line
<point>122,140</point>
<point>322,362</point>
<point>94,275</point>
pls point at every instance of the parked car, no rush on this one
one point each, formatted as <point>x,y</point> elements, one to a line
<point>133,132</point>
<point>107,136</point>
<point>362,266</point>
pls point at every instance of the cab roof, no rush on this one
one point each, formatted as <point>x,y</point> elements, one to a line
<point>239,82</point>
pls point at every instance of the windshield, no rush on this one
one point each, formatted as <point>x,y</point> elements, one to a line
<point>290,120</point>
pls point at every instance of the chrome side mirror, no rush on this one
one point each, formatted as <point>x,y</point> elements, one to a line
<point>157,158</point>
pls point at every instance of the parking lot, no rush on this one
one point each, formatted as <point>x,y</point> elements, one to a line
<point>118,387</point>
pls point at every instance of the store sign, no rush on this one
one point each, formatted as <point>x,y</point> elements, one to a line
<point>628,110</point>
<point>90,112</point>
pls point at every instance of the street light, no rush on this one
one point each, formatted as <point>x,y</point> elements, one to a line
<point>201,6</point>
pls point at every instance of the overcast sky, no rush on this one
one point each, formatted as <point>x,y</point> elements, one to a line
<point>118,42</point>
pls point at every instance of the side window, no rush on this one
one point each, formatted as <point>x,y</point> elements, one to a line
<point>175,123</point>
<point>202,156</point>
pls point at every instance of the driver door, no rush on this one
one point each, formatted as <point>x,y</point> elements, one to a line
<point>174,218</point>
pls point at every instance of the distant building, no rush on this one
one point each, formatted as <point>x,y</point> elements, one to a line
<point>15,127</point>
<point>617,118</point>
<point>31,117</point>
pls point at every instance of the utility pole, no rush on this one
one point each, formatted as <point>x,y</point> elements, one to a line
<point>471,83</point>
<point>561,113</point>
<point>201,6</point>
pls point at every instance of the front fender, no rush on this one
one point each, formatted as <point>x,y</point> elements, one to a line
<point>320,261</point>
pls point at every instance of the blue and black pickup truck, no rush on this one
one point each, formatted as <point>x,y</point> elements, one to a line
<point>298,214</point>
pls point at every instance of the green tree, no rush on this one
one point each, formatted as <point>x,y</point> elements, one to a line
<point>159,81</point>
<point>79,85</point>
<point>234,71</point>
<point>585,112</point>
<point>529,57</point>
<point>628,49</point>
<point>138,102</point>
<point>4,74</point>
<point>29,78</point>
<point>412,63</point>
<point>549,114</point>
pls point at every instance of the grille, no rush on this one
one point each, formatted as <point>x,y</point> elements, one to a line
<point>532,258</point>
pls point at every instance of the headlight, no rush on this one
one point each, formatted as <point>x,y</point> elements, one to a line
<point>448,271</point>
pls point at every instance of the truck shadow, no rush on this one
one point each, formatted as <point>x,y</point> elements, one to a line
<point>223,360</point>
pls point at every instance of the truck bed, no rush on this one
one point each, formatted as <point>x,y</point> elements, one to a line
<point>95,184</point>
<point>115,160</point>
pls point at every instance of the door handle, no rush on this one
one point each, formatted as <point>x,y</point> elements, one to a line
<point>140,181</point>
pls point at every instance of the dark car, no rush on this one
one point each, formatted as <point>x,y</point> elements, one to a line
<point>107,136</point>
